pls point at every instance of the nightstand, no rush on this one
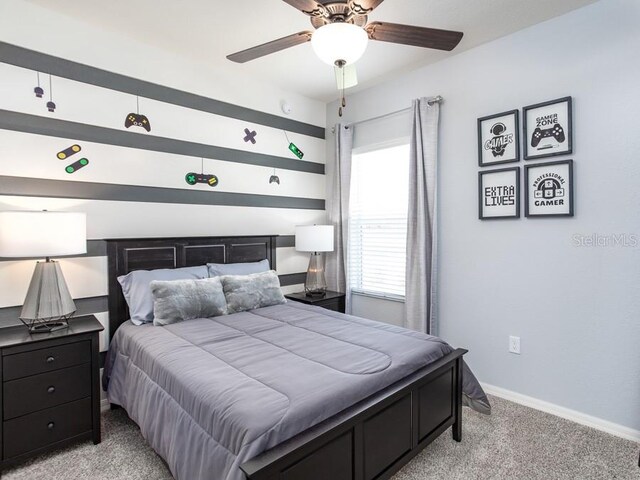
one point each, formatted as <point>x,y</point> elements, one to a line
<point>50,392</point>
<point>331,301</point>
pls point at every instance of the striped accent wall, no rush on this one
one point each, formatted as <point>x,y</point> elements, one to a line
<point>134,184</point>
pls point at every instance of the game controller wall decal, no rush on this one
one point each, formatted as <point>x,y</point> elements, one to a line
<point>250,136</point>
<point>50,105</point>
<point>296,151</point>
<point>274,178</point>
<point>68,152</point>
<point>38,89</point>
<point>137,119</point>
<point>193,178</point>
<point>548,129</point>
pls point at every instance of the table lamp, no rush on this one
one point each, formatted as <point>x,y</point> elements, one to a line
<point>315,239</point>
<point>48,304</point>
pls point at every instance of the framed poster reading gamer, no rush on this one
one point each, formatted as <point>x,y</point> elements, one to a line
<point>499,193</point>
<point>498,139</point>
<point>549,189</point>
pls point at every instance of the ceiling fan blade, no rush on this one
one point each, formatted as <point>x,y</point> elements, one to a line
<point>308,7</point>
<point>363,7</point>
<point>346,77</point>
<point>270,47</point>
<point>416,36</point>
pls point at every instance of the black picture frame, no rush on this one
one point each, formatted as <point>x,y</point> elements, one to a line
<point>481,212</point>
<point>516,138</point>
<point>569,194</point>
<point>528,130</point>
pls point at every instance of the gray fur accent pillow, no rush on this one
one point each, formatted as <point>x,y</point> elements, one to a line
<point>248,292</point>
<point>179,300</point>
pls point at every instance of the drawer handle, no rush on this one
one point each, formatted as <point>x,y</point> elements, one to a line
<point>51,389</point>
<point>51,359</point>
<point>51,425</point>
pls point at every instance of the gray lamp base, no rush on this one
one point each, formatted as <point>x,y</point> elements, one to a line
<point>45,326</point>
<point>315,284</point>
<point>48,304</point>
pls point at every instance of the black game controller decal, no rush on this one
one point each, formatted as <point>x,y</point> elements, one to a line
<point>556,132</point>
<point>137,120</point>
<point>192,178</point>
<point>68,152</point>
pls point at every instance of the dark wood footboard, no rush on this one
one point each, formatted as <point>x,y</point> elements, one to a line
<point>376,437</point>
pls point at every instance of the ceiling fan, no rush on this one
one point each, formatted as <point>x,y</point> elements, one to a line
<point>342,34</point>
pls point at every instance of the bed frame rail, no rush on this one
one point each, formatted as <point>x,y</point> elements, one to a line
<point>375,438</point>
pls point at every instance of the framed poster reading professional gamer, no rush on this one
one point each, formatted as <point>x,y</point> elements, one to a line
<point>499,193</point>
<point>549,189</point>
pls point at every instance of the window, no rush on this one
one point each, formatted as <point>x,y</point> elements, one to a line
<point>378,221</point>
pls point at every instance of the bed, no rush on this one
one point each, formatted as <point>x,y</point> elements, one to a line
<point>282,392</point>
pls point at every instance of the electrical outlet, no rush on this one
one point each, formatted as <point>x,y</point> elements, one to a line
<point>514,345</point>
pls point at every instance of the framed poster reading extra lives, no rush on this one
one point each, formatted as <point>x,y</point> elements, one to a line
<point>499,193</point>
<point>548,129</point>
<point>549,189</point>
<point>498,139</point>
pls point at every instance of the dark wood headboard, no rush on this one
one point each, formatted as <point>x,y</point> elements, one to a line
<point>128,254</point>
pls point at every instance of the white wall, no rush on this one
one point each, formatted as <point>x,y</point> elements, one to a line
<point>576,309</point>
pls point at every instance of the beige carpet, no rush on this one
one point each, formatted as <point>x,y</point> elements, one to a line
<point>514,443</point>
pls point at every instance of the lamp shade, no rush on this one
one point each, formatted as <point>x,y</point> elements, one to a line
<point>42,234</point>
<point>314,238</point>
<point>339,41</point>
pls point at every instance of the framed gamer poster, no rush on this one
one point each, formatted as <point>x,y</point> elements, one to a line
<point>548,129</point>
<point>498,139</point>
<point>499,193</point>
<point>549,189</point>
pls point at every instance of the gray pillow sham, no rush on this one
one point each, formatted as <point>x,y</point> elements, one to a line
<point>178,300</point>
<point>135,287</point>
<point>248,292</point>
<point>218,269</point>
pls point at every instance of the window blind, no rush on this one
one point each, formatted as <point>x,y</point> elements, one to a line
<point>378,221</point>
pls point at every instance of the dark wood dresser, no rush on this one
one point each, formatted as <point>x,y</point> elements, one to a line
<point>50,392</point>
<point>331,301</point>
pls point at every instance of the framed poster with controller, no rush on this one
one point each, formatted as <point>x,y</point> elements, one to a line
<point>499,193</point>
<point>498,139</point>
<point>548,129</point>
<point>548,189</point>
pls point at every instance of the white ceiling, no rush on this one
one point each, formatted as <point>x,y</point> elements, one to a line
<point>208,30</point>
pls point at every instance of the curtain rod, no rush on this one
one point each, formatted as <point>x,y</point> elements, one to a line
<point>436,99</point>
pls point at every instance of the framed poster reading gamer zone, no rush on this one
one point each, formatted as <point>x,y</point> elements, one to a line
<point>499,193</point>
<point>549,189</point>
<point>548,129</point>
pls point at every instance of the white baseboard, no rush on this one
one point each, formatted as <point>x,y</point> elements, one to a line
<point>573,415</point>
<point>104,405</point>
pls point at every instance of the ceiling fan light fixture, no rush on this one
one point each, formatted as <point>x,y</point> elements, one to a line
<point>336,42</point>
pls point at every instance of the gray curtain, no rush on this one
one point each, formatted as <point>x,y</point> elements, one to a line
<point>421,266</point>
<point>339,177</point>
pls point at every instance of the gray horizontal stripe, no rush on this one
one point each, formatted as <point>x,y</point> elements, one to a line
<point>10,316</point>
<point>79,72</point>
<point>98,248</point>
<point>286,241</point>
<point>39,187</point>
<point>292,279</point>
<point>53,127</point>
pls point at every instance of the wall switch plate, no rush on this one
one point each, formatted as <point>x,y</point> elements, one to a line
<point>514,345</point>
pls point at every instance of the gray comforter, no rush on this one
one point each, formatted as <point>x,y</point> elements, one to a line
<point>210,394</point>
